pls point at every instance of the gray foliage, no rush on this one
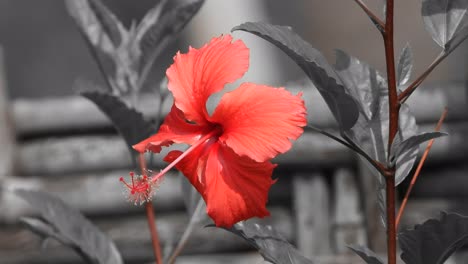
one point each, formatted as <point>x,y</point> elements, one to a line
<point>70,227</point>
<point>157,31</point>
<point>366,254</point>
<point>271,244</point>
<point>129,122</point>
<point>445,20</point>
<point>132,50</point>
<point>369,88</point>
<point>434,241</point>
<point>405,65</point>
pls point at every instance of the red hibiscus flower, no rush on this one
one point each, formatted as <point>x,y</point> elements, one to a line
<point>229,158</point>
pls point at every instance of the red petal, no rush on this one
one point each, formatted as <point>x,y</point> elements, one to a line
<point>175,129</point>
<point>259,121</point>
<point>201,72</point>
<point>234,188</point>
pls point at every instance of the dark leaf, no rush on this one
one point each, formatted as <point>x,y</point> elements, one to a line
<point>110,24</point>
<point>69,226</point>
<point>405,65</point>
<point>434,241</point>
<point>445,19</point>
<point>369,89</point>
<point>271,244</point>
<point>164,29</point>
<point>46,231</point>
<point>43,229</point>
<point>314,64</point>
<point>129,122</point>
<point>366,254</point>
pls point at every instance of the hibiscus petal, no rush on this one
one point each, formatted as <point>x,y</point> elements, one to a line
<point>194,76</point>
<point>234,188</point>
<point>259,121</point>
<point>192,166</point>
<point>175,129</point>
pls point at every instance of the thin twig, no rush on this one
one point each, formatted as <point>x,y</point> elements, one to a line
<point>418,169</point>
<point>150,216</point>
<point>375,19</point>
<point>188,231</point>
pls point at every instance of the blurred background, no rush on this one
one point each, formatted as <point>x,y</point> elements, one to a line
<point>325,199</point>
<point>45,53</point>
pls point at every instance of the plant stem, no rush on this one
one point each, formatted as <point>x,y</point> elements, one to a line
<point>418,169</point>
<point>391,225</point>
<point>391,76</point>
<point>394,106</point>
<point>154,232</point>
<point>151,217</point>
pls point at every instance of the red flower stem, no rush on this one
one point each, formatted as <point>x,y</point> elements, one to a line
<point>418,169</point>
<point>183,155</point>
<point>151,218</point>
<point>394,107</point>
<point>154,232</point>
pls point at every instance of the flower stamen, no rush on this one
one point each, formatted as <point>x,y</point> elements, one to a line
<point>141,187</point>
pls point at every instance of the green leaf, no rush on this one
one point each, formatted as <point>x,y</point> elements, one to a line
<point>271,244</point>
<point>314,64</point>
<point>445,20</point>
<point>155,32</point>
<point>405,65</point>
<point>366,254</point>
<point>435,240</point>
<point>70,227</point>
<point>128,122</point>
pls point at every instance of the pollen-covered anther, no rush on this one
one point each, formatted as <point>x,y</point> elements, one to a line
<point>140,189</point>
